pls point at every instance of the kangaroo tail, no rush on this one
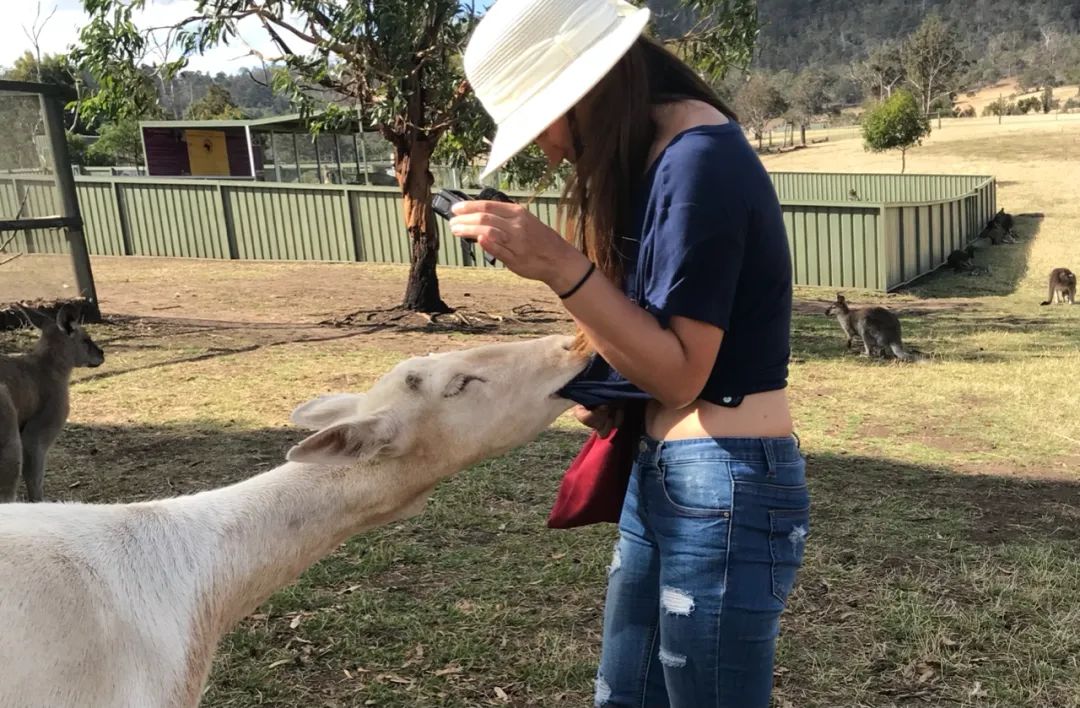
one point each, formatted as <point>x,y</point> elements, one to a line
<point>903,354</point>
<point>1045,303</point>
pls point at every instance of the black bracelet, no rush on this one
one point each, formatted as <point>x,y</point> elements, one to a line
<point>584,278</point>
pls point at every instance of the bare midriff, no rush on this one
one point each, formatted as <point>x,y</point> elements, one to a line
<point>760,415</point>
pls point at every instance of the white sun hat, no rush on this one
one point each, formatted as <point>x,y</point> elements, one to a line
<point>531,61</point>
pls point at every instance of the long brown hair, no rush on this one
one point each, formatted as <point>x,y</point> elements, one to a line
<point>613,131</point>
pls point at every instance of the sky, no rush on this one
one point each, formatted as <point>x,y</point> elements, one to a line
<point>63,30</point>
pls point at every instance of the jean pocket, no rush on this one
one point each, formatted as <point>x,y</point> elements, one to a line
<point>788,531</point>
<point>699,488</point>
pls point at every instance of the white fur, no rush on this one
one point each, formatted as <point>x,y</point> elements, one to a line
<point>123,605</point>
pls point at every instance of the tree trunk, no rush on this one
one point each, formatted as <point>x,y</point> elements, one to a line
<point>802,129</point>
<point>412,162</point>
<point>903,161</point>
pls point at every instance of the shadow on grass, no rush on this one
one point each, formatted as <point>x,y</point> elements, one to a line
<point>117,463</point>
<point>1008,264</point>
<point>493,598</point>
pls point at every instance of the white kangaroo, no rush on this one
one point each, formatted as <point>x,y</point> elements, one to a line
<point>123,605</point>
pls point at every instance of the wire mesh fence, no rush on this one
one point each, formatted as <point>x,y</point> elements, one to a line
<point>43,258</point>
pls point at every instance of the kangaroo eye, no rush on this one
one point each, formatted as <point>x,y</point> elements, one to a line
<point>459,383</point>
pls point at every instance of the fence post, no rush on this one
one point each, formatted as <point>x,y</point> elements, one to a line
<point>68,205</point>
<point>354,224</point>
<point>121,215</point>
<point>226,220</point>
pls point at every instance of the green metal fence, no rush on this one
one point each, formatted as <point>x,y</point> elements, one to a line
<point>845,230</point>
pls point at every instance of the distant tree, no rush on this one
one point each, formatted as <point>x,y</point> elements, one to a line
<point>217,104</point>
<point>120,144</point>
<point>1031,104</point>
<point>1000,107</point>
<point>933,61</point>
<point>897,123</point>
<point>758,102</point>
<point>881,72</point>
<point>808,97</point>
<point>54,69</point>
<point>1048,102</point>
<point>1035,77</point>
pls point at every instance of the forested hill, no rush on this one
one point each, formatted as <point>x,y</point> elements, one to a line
<point>797,34</point>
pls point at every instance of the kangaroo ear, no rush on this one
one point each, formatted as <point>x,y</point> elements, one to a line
<point>350,443</point>
<point>326,410</point>
<point>65,319</point>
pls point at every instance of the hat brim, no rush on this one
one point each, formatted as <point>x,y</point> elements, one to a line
<point>553,101</point>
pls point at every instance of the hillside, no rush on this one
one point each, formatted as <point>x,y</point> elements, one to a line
<point>827,33</point>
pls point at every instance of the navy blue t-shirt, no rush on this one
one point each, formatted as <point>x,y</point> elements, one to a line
<point>709,245</point>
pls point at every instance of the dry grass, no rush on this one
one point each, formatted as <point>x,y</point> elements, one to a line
<point>942,570</point>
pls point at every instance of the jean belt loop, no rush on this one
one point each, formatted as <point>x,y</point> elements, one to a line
<point>770,455</point>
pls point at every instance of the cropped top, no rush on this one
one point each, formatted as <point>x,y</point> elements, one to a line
<point>709,244</point>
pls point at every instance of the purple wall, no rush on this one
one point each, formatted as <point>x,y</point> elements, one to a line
<point>167,152</point>
<point>236,148</point>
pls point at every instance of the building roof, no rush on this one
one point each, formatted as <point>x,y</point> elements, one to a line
<point>292,123</point>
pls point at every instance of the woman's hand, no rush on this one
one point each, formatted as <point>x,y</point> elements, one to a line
<point>602,419</point>
<point>521,241</point>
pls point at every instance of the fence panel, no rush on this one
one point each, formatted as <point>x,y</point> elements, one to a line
<point>875,245</point>
<point>289,224</point>
<point>834,246</point>
<point>166,219</point>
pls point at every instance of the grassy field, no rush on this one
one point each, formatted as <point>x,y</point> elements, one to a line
<point>942,569</point>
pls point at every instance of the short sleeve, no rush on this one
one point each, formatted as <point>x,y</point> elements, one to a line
<point>698,242</point>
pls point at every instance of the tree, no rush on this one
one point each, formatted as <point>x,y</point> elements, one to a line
<point>808,98</point>
<point>57,70</point>
<point>1048,102</point>
<point>112,51</point>
<point>897,123</point>
<point>120,144</point>
<point>711,35</point>
<point>217,104</point>
<point>933,61</point>
<point>1035,77</point>
<point>881,72</point>
<point>395,65</point>
<point>758,102</point>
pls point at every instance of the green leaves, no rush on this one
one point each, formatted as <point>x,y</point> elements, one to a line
<point>216,104</point>
<point>111,50</point>
<point>897,123</point>
<point>725,37</point>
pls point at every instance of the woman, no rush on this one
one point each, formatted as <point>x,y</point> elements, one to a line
<point>678,275</point>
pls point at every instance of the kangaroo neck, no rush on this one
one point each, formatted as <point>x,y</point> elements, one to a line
<point>269,529</point>
<point>222,553</point>
<point>51,363</point>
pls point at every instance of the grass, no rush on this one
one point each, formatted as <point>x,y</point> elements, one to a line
<point>942,568</point>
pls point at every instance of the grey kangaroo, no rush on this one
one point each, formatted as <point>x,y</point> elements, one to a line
<point>34,399</point>
<point>1062,287</point>
<point>878,328</point>
<point>961,261</point>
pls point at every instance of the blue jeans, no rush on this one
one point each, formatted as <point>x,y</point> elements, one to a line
<point>711,537</point>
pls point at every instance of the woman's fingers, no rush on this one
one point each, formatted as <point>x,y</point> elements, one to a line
<point>500,251</point>
<point>506,210</point>
<point>602,419</point>
<point>482,218</point>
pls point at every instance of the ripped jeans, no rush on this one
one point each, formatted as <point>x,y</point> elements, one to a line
<point>711,537</point>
